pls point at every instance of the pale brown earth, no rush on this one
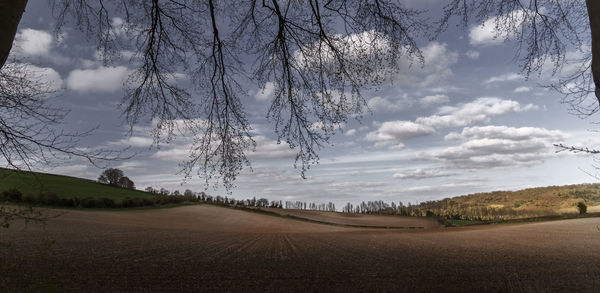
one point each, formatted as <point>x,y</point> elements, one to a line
<point>206,248</point>
<point>359,219</point>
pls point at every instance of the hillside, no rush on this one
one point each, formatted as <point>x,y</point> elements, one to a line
<point>531,202</point>
<point>31,184</point>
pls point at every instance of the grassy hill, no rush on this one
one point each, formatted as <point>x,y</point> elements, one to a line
<point>531,202</point>
<point>32,184</point>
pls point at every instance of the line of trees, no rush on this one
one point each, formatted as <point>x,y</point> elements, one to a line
<point>443,209</point>
<point>302,205</point>
<point>250,202</point>
<point>381,207</point>
<point>447,209</point>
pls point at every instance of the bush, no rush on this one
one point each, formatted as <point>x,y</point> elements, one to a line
<point>70,203</point>
<point>12,194</point>
<point>48,197</point>
<point>582,208</point>
<point>99,203</point>
<point>89,203</point>
<point>107,202</point>
<point>29,199</point>
<point>127,203</point>
<point>147,202</point>
<point>76,202</point>
<point>63,202</point>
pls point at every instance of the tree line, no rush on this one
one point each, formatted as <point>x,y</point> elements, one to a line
<point>302,205</point>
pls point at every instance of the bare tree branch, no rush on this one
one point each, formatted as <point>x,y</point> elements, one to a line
<point>561,147</point>
<point>318,64</point>
<point>30,132</point>
<point>545,31</point>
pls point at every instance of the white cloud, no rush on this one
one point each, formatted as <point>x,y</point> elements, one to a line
<point>118,26</point>
<point>395,132</point>
<point>350,132</point>
<point>266,93</point>
<point>511,76</point>
<point>486,34</point>
<point>266,149</point>
<point>511,133</point>
<point>434,99</point>
<point>477,111</point>
<point>453,136</point>
<point>497,146</point>
<point>472,54</point>
<point>135,141</point>
<point>522,89</point>
<point>382,61</point>
<point>442,188</point>
<point>101,79</point>
<point>437,67</point>
<point>71,170</point>
<point>45,78</point>
<point>176,153</point>
<point>379,104</point>
<point>421,174</point>
<point>48,77</point>
<point>30,42</point>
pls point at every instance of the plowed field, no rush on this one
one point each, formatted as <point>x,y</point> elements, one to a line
<point>361,220</point>
<point>206,248</point>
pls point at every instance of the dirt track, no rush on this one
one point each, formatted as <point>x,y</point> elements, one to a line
<point>205,248</point>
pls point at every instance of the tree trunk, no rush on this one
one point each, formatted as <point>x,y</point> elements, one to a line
<point>593,7</point>
<point>10,16</point>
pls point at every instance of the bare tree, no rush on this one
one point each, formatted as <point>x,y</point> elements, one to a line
<point>302,48</point>
<point>545,31</point>
<point>30,128</point>
<point>318,55</point>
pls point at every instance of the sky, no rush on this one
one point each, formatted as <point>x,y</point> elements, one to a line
<point>465,121</point>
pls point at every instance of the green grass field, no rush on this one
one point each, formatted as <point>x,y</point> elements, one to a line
<point>33,183</point>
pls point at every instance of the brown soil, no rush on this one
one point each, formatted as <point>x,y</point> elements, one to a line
<point>207,248</point>
<point>359,219</point>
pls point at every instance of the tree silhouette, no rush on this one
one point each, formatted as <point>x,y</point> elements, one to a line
<point>316,55</point>
<point>111,176</point>
<point>545,30</point>
<point>116,177</point>
<point>31,129</point>
<point>125,182</point>
<point>582,207</point>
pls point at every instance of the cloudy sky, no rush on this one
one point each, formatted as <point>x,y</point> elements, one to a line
<point>466,121</point>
